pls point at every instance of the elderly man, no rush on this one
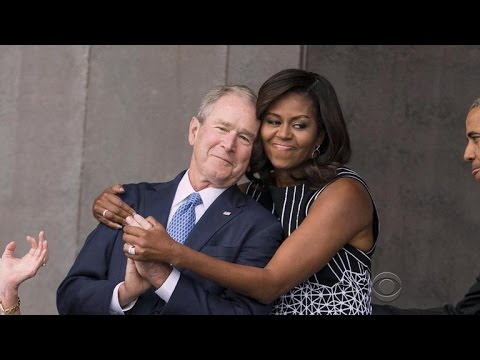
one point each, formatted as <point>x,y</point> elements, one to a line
<point>201,207</point>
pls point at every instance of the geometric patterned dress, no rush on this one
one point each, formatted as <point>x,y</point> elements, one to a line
<point>343,286</point>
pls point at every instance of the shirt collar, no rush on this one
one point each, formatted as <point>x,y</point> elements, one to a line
<point>185,188</point>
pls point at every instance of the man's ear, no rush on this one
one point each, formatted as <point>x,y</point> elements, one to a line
<point>193,130</point>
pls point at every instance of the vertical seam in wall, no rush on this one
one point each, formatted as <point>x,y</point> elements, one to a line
<point>82,156</point>
<point>227,64</point>
<point>303,57</point>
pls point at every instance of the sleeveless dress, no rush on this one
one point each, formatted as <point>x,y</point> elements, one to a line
<point>343,286</point>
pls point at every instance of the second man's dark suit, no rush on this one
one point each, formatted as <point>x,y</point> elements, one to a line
<point>469,305</point>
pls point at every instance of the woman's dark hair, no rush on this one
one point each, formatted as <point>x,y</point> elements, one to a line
<point>334,150</point>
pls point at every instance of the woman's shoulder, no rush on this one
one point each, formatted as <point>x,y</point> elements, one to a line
<point>342,192</point>
<point>347,184</point>
<point>344,172</point>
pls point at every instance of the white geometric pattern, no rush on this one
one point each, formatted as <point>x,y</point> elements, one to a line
<point>350,296</point>
<point>183,220</point>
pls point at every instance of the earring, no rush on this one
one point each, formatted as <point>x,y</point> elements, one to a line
<point>317,150</point>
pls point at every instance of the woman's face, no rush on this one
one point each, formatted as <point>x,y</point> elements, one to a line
<point>289,132</point>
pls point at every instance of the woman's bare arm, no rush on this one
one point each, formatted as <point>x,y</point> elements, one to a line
<point>342,213</point>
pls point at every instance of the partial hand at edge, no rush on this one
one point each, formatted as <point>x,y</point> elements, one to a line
<point>14,271</point>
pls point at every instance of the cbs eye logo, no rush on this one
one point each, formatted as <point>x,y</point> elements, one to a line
<point>386,286</point>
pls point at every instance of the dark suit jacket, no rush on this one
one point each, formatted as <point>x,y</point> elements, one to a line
<point>248,235</point>
<point>469,305</point>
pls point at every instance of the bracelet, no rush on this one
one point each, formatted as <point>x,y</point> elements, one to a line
<point>10,310</point>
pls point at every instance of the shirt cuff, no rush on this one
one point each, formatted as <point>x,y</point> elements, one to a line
<point>115,308</point>
<point>168,287</point>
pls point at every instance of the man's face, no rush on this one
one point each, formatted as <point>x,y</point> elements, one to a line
<point>223,143</point>
<point>472,151</point>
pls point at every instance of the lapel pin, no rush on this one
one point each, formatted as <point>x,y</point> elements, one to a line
<point>226,213</point>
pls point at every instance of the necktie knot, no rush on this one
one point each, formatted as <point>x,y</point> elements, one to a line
<point>183,220</point>
<point>194,199</point>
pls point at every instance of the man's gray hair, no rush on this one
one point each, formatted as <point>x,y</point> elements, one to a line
<point>475,104</point>
<point>218,92</point>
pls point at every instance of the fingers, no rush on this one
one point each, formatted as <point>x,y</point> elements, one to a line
<point>112,219</point>
<point>43,245</point>
<point>126,252</point>
<point>35,248</point>
<point>154,223</point>
<point>109,190</point>
<point>118,189</point>
<point>132,234</point>
<point>134,230</point>
<point>142,221</point>
<point>41,256</point>
<point>9,249</point>
<point>113,204</point>
<point>105,213</point>
<point>38,250</point>
<point>121,208</point>
<point>113,224</point>
<point>131,240</point>
<point>98,211</point>
<point>33,243</point>
<point>132,222</point>
<point>110,210</point>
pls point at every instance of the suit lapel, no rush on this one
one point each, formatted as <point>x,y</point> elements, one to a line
<point>225,208</point>
<point>159,199</point>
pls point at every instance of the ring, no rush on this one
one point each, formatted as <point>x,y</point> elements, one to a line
<point>131,250</point>
<point>104,212</point>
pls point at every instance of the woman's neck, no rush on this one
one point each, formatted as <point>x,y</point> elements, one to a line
<point>285,179</point>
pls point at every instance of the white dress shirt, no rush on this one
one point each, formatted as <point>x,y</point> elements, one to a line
<point>184,189</point>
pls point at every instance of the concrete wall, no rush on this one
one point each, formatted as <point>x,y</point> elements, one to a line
<point>76,119</point>
<point>42,107</point>
<point>405,107</point>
